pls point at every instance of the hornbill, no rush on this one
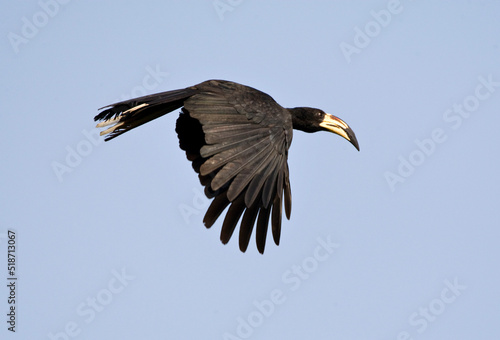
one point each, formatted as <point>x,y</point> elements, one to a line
<point>237,139</point>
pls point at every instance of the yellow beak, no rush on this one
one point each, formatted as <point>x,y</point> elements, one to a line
<point>339,127</point>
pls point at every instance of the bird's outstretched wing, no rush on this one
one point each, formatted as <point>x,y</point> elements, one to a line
<point>238,144</point>
<point>237,139</point>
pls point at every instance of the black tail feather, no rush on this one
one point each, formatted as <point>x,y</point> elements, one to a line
<point>129,114</point>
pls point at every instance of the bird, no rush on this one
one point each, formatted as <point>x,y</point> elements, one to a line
<point>237,139</point>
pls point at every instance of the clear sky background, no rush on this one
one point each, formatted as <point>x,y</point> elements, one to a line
<point>398,241</point>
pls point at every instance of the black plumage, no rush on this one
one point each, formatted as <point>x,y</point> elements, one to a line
<point>237,139</point>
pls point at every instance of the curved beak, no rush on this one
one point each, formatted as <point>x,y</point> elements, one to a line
<point>339,127</point>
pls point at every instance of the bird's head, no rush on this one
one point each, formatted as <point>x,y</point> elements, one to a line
<point>308,119</point>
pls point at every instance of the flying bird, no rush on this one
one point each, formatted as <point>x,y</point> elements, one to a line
<point>237,139</point>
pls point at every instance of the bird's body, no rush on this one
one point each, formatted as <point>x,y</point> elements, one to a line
<point>237,139</point>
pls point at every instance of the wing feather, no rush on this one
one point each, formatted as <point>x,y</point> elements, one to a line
<point>243,161</point>
<point>276,219</point>
<point>231,143</point>
<point>247,226</point>
<point>232,217</point>
<point>216,208</point>
<point>262,225</point>
<point>233,158</point>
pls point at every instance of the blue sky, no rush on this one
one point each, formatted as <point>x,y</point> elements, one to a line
<point>398,241</point>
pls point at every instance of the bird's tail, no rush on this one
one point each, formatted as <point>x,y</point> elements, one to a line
<point>129,114</point>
